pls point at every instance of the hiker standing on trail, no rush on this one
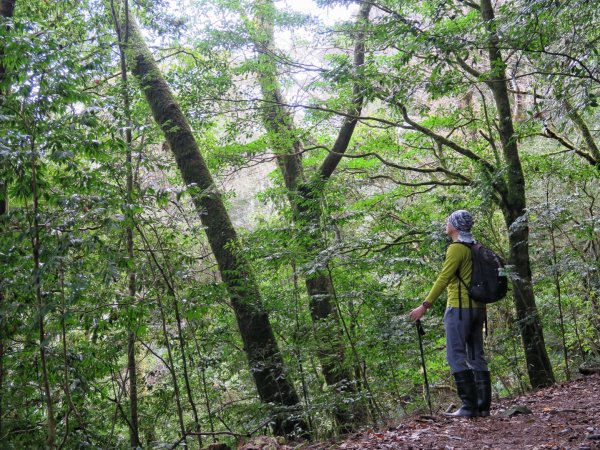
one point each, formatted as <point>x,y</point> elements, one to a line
<point>463,320</point>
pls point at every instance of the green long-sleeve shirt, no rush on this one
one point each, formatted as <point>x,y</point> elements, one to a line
<point>457,256</point>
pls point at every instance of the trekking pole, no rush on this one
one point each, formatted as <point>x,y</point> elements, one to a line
<point>421,332</point>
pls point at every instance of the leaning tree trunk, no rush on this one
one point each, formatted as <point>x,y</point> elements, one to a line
<point>266,363</point>
<point>306,209</point>
<point>538,363</point>
<point>307,214</point>
<point>346,131</point>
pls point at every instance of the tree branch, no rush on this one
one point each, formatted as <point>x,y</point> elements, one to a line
<point>551,134</point>
<point>423,183</point>
<point>584,130</point>
<point>413,169</point>
<point>467,68</point>
<point>347,129</point>
<point>444,141</point>
<point>470,4</point>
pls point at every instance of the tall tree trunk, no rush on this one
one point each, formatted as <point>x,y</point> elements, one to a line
<point>515,216</point>
<point>346,131</point>
<point>201,369</point>
<point>186,377</point>
<point>7,9</point>
<point>3,323</point>
<point>305,204</point>
<point>171,367</point>
<point>37,286</point>
<point>262,351</point>
<point>66,365</point>
<point>123,37</point>
<point>168,280</point>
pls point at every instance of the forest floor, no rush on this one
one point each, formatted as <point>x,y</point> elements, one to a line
<point>564,416</point>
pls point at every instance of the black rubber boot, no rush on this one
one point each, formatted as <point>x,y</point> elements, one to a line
<point>465,386</point>
<point>484,392</point>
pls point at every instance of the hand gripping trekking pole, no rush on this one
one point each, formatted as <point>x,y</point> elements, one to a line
<point>421,332</point>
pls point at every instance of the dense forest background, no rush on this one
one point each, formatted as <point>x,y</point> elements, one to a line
<point>215,216</point>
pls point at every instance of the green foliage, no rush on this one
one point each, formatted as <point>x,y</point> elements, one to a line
<point>379,234</point>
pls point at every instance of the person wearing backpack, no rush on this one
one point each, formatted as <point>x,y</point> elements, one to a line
<point>463,320</point>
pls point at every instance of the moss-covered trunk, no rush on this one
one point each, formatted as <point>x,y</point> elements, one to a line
<point>538,363</point>
<point>306,208</point>
<point>266,363</point>
<point>307,214</point>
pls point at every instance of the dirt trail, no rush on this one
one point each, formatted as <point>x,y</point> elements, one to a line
<point>564,416</point>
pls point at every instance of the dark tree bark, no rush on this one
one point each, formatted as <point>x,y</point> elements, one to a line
<point>266,363</point>
<point>342,141</point>
<point>515,216</point>
<point>304,199</point>
<point>170,363</point>
<point>66,365</point>
<point>167,278</point>
<point>7,9</point>
<point>37,285</point>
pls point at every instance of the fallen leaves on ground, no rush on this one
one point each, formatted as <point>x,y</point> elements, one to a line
<point>564,417</point>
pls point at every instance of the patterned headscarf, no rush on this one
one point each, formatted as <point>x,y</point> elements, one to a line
<point>462,220</point>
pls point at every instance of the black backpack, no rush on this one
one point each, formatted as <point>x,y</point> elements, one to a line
<point>489,283</point>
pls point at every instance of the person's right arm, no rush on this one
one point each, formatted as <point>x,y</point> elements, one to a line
<point>451,265</point>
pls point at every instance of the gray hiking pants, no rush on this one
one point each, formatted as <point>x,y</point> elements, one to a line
<point>464,339</point>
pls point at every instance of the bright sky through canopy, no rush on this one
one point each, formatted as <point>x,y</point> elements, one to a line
<point>328,15</point>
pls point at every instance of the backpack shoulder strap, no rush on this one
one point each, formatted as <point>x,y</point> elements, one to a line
<point>466,244</point>
<point>460,280</point>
